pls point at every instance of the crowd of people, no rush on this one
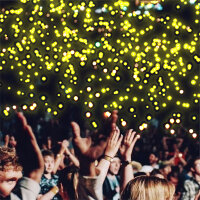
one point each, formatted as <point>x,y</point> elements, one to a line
<point>97,166</point>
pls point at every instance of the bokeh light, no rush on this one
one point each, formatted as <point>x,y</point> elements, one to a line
<point>139,58</point>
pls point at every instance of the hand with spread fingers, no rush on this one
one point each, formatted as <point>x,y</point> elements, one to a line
<point>128,144</point>
<point>86,150</point>
<point>126,152</point>
<point>84,147</point>
<point>114,142</point>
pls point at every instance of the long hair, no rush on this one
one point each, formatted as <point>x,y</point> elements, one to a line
<point>69,179</point>
<point>148,188</point>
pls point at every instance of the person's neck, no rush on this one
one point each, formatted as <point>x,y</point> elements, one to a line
<point>110,175</point>
<point>48,175</point>
<point>154,164</point>
<point>197,177</point>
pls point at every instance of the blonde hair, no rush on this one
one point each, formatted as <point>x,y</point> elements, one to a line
<point>148,188</point>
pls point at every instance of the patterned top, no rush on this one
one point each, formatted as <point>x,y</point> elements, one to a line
<point>47,184</point>
<point>190,190</point>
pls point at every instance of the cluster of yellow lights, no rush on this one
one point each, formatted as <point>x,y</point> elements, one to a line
<point>127,63</point>
<point>176,120</point>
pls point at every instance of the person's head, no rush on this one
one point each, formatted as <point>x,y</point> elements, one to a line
<point>68,180</point>
<point>165,169</point>
<point>195,166</point>
<point>49,161</point>
<point>157,173</point>
<point>153,158</point>
<point>173,177</point>
<point>148,188</point>
<point>10,170</point>
<point>12,141</point>
<point>115,166</point>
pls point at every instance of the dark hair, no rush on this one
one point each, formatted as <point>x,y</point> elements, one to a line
<point>154,153</point>
<point>47,153</point>
<point>155,172</point>
<point>163,165</point>
<point>68,177</point>
<point>192,161</point>
<point>174,173</point>
<point>139,174</point>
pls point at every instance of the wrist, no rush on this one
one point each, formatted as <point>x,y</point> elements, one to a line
<point>125,162</point>
<point>126,158</point>
<point>108,158</point>
<point>62,151</point>
<point>59,155</point>
<point>55,190</point>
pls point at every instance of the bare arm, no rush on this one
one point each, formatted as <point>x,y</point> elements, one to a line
<point>60,155</point>
<point>113,144</point>
<point>86,152</point>
<point>49,195</point>
<point>164,141</point>
<point>72,157</point>
<point>126,151</point>
<point>28,150</point>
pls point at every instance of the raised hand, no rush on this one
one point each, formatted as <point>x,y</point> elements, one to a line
<point>113,143</point>
<point>126,151</point>
<point>28,150</point>
<point>128,144</point>
<point>84,147</point>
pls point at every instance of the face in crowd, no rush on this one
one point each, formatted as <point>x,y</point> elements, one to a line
<point>49,163</point>
<point>10,171</point>
<point>196,167</point>
<point>152,158</point>
<point>115,166</point>
<point>8,180</point>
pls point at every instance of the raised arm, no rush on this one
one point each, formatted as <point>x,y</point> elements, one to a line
<point>113,144</point>
<point>126,151</point>
<point>28,150</point>
<point>72,157</point>
<point>60,155</point>
<point>86,152</point>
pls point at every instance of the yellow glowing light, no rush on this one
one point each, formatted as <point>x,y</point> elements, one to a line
<point>38,53</point>
<point>90,104</point>
<point>24,107</point>
<point>124,123</point>
<point>88,114</point>
<point>8,108</point>
<point>194,135</point>
<point>191,131</point>
<point>55,113</point>
<point>172,120</point>
<point>31,87</point>
<point>14,107</point>
<point>60,106</point>
<point>167,126</point>
<point>94,124</point>
<point>89,89</point>
<point>141,128</point>
<point>172,131</point>
<point>76,98</point>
